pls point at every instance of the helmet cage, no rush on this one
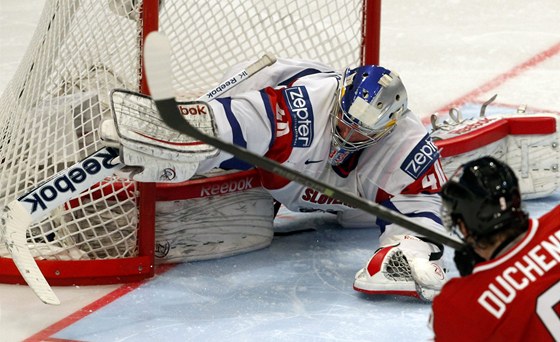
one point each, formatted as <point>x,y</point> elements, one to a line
<point>371,100</point>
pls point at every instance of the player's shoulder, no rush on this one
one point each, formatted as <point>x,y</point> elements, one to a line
<point>550,219</point>
<point>409,129</point>
<point>289,71</point>
<point>402,156</point>
<point>320,89</point>
<point>302,64</point>
<point>545,226</point>
<point>409,142</point>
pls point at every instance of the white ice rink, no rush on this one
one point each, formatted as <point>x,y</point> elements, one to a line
<point>300,288</point>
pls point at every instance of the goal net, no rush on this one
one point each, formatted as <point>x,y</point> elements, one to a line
<point>82,49</point>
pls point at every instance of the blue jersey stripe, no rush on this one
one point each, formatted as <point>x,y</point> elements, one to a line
<point>300,74</point>
<point>237,137</point>
<point>388,204</point>
<point>270,116</point>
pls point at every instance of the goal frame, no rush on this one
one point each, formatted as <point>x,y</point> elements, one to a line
<point>142,266</point>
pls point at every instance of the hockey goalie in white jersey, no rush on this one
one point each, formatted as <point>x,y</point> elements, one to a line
<point>353,131</point>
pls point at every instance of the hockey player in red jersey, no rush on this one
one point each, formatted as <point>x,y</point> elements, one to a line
<point>510,284</point>
<point>351,130</point>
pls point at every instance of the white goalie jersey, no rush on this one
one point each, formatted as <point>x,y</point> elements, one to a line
<point>284,114</point>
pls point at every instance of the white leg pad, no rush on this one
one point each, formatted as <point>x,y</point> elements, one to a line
<point>528,143</point>
<point>214,217</point>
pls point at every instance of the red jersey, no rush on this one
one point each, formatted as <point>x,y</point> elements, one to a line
<point>514,297</point>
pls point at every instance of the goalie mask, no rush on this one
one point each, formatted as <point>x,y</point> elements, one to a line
<point>371,100</point>
<point>484,194</point>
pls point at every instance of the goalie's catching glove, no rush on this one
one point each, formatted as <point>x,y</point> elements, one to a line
<point>411,267</point>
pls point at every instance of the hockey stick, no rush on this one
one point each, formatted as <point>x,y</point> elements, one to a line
<point>158,70</point>
<point>19,214</point>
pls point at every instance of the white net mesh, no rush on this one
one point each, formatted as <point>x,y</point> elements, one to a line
<point>51,110</point>
<point>210,36</point>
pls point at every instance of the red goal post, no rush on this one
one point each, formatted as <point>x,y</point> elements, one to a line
<point>51,109</point>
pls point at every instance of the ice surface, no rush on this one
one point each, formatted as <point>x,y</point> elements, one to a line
<point>300,288</point>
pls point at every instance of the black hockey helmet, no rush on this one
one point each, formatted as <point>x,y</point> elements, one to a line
<point>484,194</point>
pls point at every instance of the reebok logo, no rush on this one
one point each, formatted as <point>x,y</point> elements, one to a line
<point>226,188</point>
<point>422,156</point>
<point>192,109</point>
<point>69,180</point>
<point>472,126</point>
<point>216,91</point>
<point>301,111</point>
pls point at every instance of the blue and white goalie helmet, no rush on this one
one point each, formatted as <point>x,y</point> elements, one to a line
<point>371,100</point>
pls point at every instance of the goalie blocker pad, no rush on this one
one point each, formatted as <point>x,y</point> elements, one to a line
<point>151,150</point>
<point>528,143</point>
<point>140,127</point>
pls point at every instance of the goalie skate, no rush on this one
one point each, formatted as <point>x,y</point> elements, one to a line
<point>528,143</point>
